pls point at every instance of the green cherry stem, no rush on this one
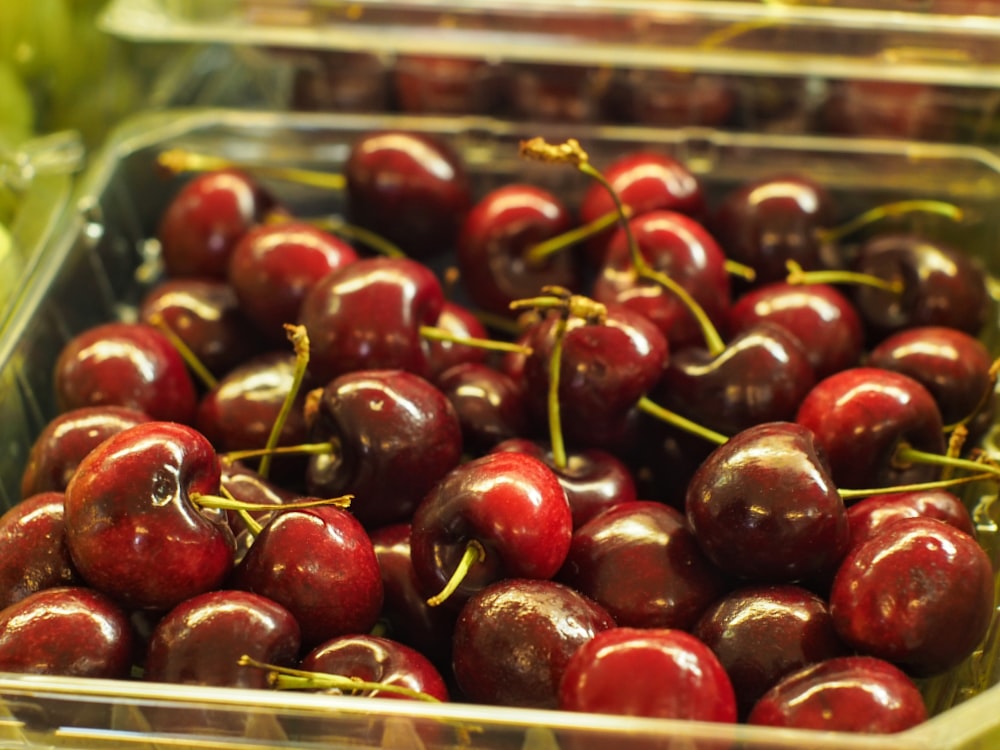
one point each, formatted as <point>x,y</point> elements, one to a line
<point>300,342</point>
<point>673,418</point>
<point>538,254</point>
<point>229,503</point>
<point>906,454</point>
<point>941,484</point>
<point>190,359</point>
<point>304,449</point>
<point>433,333</point>
<point>178,160</point>
<point>898,208</point>
<point>570,152</point>
<point>474,553</point>
<point>742,270</point>
<point>286,678</point>
<point>555,374</point>
<point>378,243</point>
<point>797,275</point>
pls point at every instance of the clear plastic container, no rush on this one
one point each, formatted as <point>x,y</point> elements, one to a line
<point>93,270</point>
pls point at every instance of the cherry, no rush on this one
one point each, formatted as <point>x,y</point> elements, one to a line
<point>132,528</point>
<point>410,188</point>
<point>33,554</point>
<point>762,375</point>
<point>125,364</point>
<point>899,595</point>
<point>459,323</point>
<point>764,508</point>
<point>680,248</point>
<point>511,642</point>
<point>940,286</point>
<point>200,641</point>
<point>395,436</point>
<point>896,109</point>
<point>206,316</point>
<point>334,589</point>
<point>272,268</point>
<point>862,416</point>
<point>760,633</point>
<point>495,242</point>
<point>655,672</point>
<point>645,181</point>
<point>843,694</point>
<point>368,314</point>
<point>556,93</point>
<point>374,659</point>
<point>489,404</point>
<point>247,486</point>
<point>871,515</point>
<point>955,367</point>
<point>405,611</point>
<point>676,98</point>
<point>766,222</point>
<point>430,84</point>
<point>593,479</point>
<point>641,562</point>
<point>503,515</point>
<point>820,317</point>
<point>66,439</point>
<point>202,223</point>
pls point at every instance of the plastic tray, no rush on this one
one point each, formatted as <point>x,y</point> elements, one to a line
<point>89,275</point>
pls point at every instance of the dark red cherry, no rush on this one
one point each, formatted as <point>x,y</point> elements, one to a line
<point>818,315</point>
<point>654,672</point>
<point>125,364</point>
<point>641,562</point>
<point>888,109</point>
<point>681,248</point>
<point>395,436</point>
<point>489,404</point>
<point>201,640</point>
<point>206,316</point>
<point>764,508</point>
<point>409,188</point>
<point>761,633</point>
<point>66,439</point>
<point>495,238</point>
<point>900,595</point>
<point>844,694</point>
<point>871,515</point>
<point>768,222</point>
<point>367,315</point>
<point>33,553</point>
<point>860,418</point>
<point>512,644</point>
<point>200,226</point>
<point>442,84</point>
<point>273,266</point>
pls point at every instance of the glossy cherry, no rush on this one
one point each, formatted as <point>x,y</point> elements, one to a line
<point>273,266</point>
<point>760,633</point>
<point>843,694</point>
<point>899,595</point>
<point>642,563</point>
<point>654,672</point>
<point>132,527</point>
<point>125,364</point>
<point>408,187</point>
<point>511,642</point>
<point>395,436</point>
<point>494,241</point>
<point>202,223</point>
<point>489,404</point>
<point>66,439</point>
<point>764,508</point>
<point>871,515</point>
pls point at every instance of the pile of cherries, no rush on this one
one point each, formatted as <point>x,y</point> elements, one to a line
<point>701,466</point>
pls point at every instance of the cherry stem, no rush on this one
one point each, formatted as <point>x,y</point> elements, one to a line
<point>253,526</point>
<point>433,333</point>
<point>941,484</point>
<point>984,397</point>
<point>570,152</point>
<point>797,275</point>
<point>300,342</point>
<point>735,268</point>
<point>555,375</point>
<point>157,320</point>
<point>897,208</point>
<point>673,418</point>
<point>906,454</point>
<point>304,449</point>
<point>230,503</point>
<point>286,678</point>
<point>956,441</point>
<point>375,241</point>
<point>178,160</point>
<point>474,553</point>
<point>538,254</point>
